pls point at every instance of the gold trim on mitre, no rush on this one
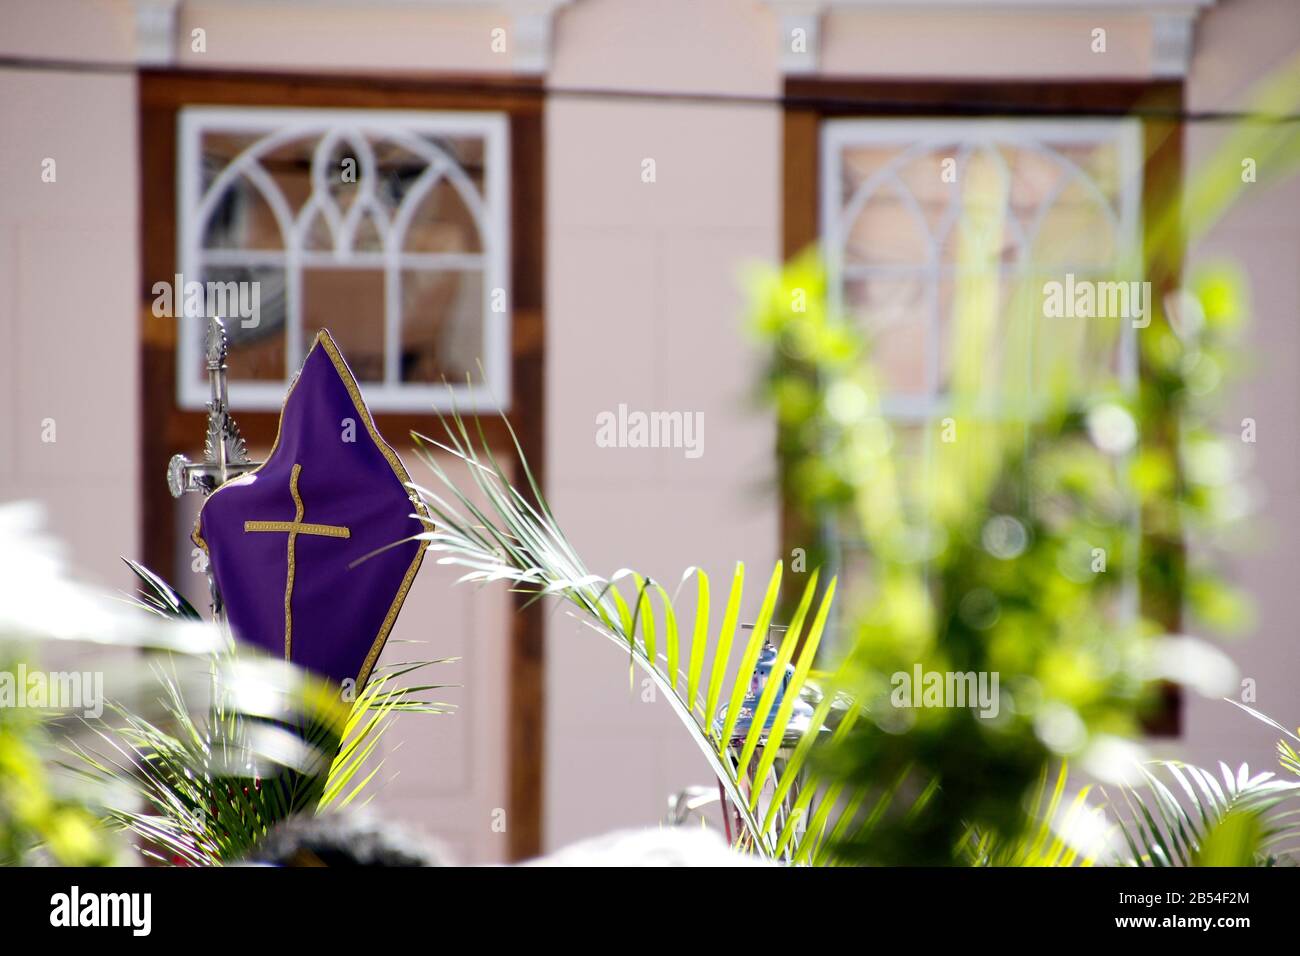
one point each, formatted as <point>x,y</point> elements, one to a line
<point>325,341</point>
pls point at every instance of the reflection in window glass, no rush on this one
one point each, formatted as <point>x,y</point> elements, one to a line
<point>388,229</point>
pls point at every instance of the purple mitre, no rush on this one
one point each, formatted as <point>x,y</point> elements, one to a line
<point>282,539</point>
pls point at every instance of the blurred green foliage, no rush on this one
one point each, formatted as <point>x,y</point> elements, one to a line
<point>1046,538</point>
<point>38,823</point>
<point>1050,497</point>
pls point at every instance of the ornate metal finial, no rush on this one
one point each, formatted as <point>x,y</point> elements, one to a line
<point>215,345</point>
<point>224,454</point>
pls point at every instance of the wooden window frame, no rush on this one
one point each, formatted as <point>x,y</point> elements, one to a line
<point>162,94</point>
<point>808,101</point>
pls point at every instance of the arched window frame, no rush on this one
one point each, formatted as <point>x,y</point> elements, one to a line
<point>360,128</point>
<point>962,138</point>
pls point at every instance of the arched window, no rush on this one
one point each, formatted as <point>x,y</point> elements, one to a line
<point>1065,201</point>
<point>892,193</point>
<point>391,229</point>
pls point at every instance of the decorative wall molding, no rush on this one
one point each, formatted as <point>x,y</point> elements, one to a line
<point>1171,42</point>
<point>530,23</point>
<point>155,32</point>
<point>1172,22</point>
<point>531,32</point>
<point>798,35</point>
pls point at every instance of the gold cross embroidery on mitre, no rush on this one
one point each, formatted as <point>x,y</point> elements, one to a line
<point>294,528</point>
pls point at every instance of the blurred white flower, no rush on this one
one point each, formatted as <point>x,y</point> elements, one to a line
<point>1060,727</point>
<point>1113,760</point>
<point>1112,429</point>
<point>40,601</point>
<point>1192,662</point>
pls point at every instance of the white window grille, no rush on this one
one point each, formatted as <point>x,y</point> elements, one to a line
<point>890,204</point>
<point>391,228</point>
<point>891,194</point>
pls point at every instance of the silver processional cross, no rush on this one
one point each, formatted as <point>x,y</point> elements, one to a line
<point>224,454</point>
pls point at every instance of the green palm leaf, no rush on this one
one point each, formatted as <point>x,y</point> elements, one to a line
<point>1079,834</point>
<point>1202,818</point>
<point>514,539</point>
<point>213,785</point>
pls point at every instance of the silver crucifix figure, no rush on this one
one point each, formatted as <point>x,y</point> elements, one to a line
<point>224,454</point>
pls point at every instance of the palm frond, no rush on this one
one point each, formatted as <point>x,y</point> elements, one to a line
<point>271,743</point>
<point>1065,831</point>
<point>501,534</point>
<point>1184,815</point>
<point>1286,753</point>
<point>159,597</point>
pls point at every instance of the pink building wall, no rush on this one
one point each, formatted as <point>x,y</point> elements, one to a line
<point>644,308</point>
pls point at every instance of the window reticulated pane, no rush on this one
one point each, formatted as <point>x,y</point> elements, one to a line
<point>892,200</point>
<point>389,229</point>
